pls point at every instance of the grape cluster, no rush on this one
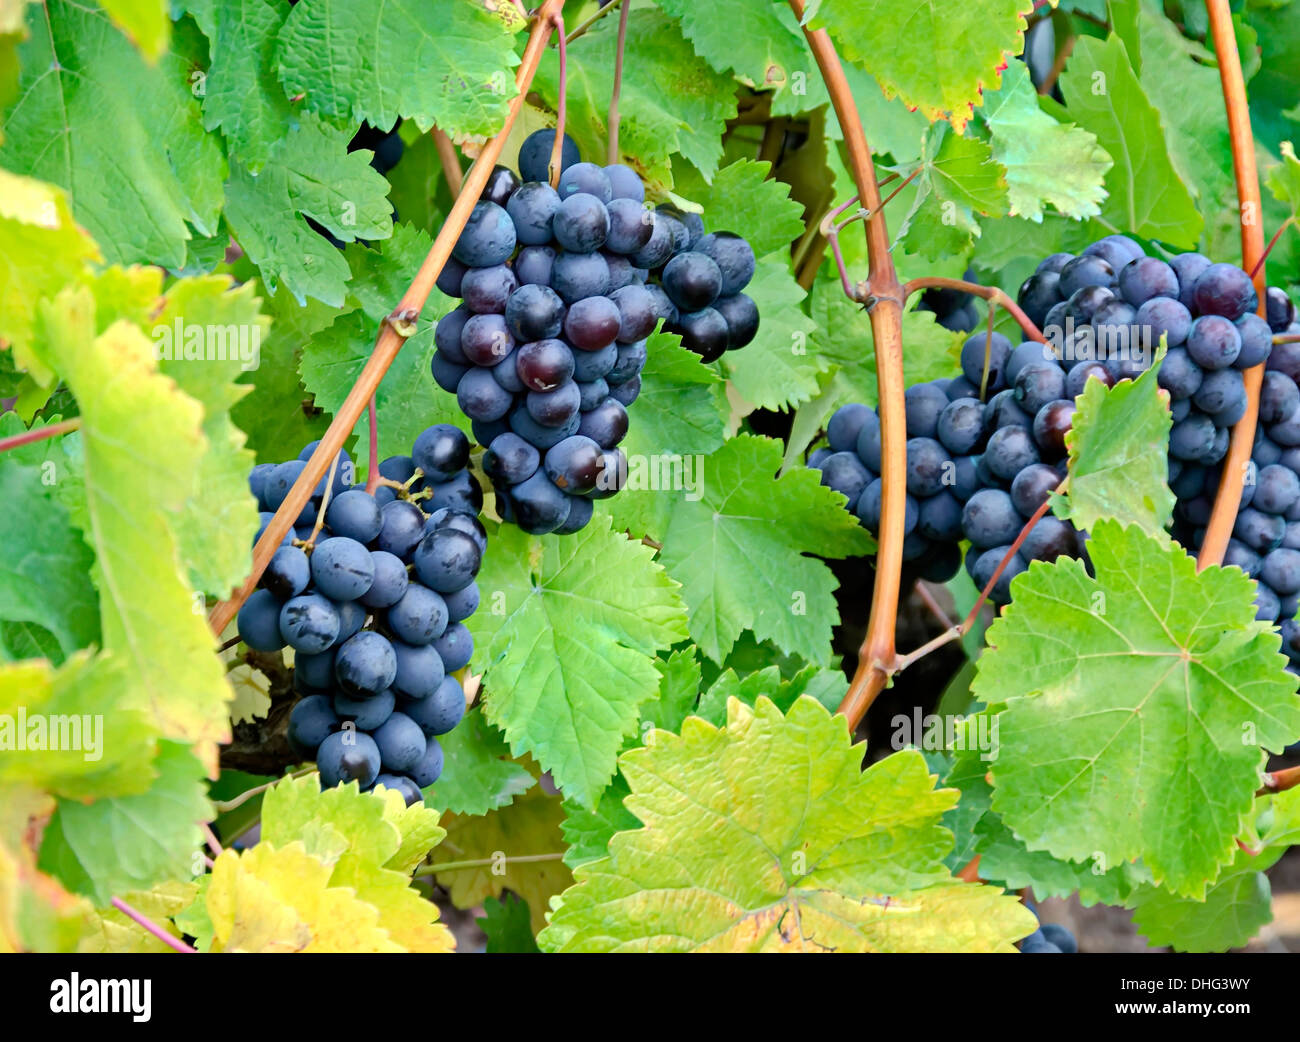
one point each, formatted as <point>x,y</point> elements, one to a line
<point>559,288</point>
<point>374,607</point>
<point>952,308</point>
<point>986,448</point>
<point>1049,939</point>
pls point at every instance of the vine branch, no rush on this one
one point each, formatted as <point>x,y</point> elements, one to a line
<point>40,434</point>
<point>990,293</point>
<point>143,920</point>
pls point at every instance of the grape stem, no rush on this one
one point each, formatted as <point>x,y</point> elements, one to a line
<point>931,602</point>
<point>883,296</point>
<point>484,862</point>
<point>225,806</point>
<point>617,89</point>
<point>906,181</point>
<point>1280,781</point>
<point>394,330</point>
<point>557,148</point>
<point>143,920</point>
<point>40,434</point>
<point>325,497</point>
<point>584,26</point>
<point>990,293</point>
<point>449,161</point>
<point>210,838</point>
<point>1228,499</point>
<point>1058,66</point>
<point>1271,243</point>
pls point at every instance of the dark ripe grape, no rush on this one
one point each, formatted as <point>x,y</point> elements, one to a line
<point>1224,289</point>
<point>1292,541</point>
<point>612,478</point>
<point>844,473</point>
<point>1213,342</point>
<point>480,397</point>
<point>637,313</point>
<point>574,465</point>
<point>1238,555</point>
<point>990,518</point>
<point>581,224</point>
<point>1031,487</point>
<point>1231,413</point>
<point>973,362</point>
<point>311,721</point>
<point>401,784</point>
<point>390,580</point>
<point>665,308</point>
<point>924,403</point>
<point>1290,459</point>
<point>1147,277</point>
<point>276,485</point>
<point>625,182</point>
<point>694,225</point>
<point>1117,250</point>
<point>1162,316</point>
<point>342,569</point>
<point>456,646</point>
<point>1256,341</point>
<point>939,518</point>
<point>1220,447</point>
<point>578,275</point>
<point>533,265</point>
<point>1055,262</point>
<point>939,564</point>
<point>1081,373</point>
<point>258,622</point>
<point>846,424</point>
<point>1265,450</point>
<point>440,451</point>
<point>539,507</point>
<point>1280,309</point>
<point>1180,409</point>
<point>692,280</point>
<point>1261,532</point>
<point>384,494</point>
<point>1248,485</point>
<point>488,238</point>
<point>523,424</point>
<point>1219,390</point>
<point>352,616</point>
<point>1267,604</point>
<point>442,709</point>
<point>544,365</point>
<point>509,459</point>
<point>1037,295</point>
<point>400,742</point>
<point>347,756</point>
<point>671,216</point>
<point>1083,271</point>
<point>1112,325</point>
<point>592,322</point>
<point>1192,438</point>
<point>1002,411</point>
<point>419,616</point>
<point>1038,384</point>
<point>581,509</point>
<point>734,258</point>
<point>1285,358</point>
<point>1009,451</point>
<point>534,313</point>
<point>505,373</point>
<point>963,320</point>
<point>966,480</point>
<point>588,178</point>
<point>606,424</point>
<point>461,521</point>
<point>627,392</point>
<point>593,393</point>
<point>630,226</point>
<point>867,444</point>
<point>446,560</point>
<point>1278,398</point>
<point>1188,268</point>
<point>621,272</point>
<point>704,332</point>
<point>1086,302</point>
<point>1027,353</point>
<point>257,482</point>
<point>869,504</point>
<point>741,315</point>
<point>593,365</point>
<point>1053,327</point>
<point>816,457</point>
<point>1276,489</point>
<point>556,407</point>
<point>355,514</point>
<point>309,623</point>
<point>314,672</point>
<point>1049,539</point>
<point>450,276</point>
<point>288,573</point>
<point>501,185</point>
<point>531,208</point>
<point>403,525</point>
<point>1179,375</point>
<point>446,374</point>
<point>659,247</point>
<point>1050,424</point>
<point>462,603</point>
<point>462,492</point>
<point>486,339</point>
<point>1190,482</point>
<point>987,564</point>
<point>928,466</point>
<point>365,664</point>
<point>486,290</point>
<point>535,154</point>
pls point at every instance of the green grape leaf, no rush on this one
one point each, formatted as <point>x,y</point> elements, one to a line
<point>507,927</point>
<point>946,51</point>
<point>657,123</point>
<point>477,775</point>
<point>588,832</point>
<point>745,198</point>
<point>1047,163</point>
<point>776,369</point>
<point>959,179</point>
<point>1136,705</point>
<point>1117,455</point>
<point>738,543</point>
<point>143,448</point>
<point>568,648</point>
<point>767,835</point>
<point>827,686</point>
<point>124,138</point>
<point>527,828</point>
<point>121,843</point>
<point>682,408</point>
<point>146,23</point>
<point>43,572</point>
<point>208,333</point>
<point>310,173</point>
<point>447,63</point>
<point>1147,198</point>
<point>1283,180</point>
<point>680,678</point>
<point>894,127</point>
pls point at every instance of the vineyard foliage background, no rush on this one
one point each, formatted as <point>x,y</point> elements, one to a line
<point>657,709</point>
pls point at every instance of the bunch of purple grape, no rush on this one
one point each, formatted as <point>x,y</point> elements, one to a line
<point>560,289</point>
<point>986,448</point>
<point>372,594</point>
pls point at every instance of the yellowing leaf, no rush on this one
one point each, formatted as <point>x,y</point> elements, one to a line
<point>114,931</point>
